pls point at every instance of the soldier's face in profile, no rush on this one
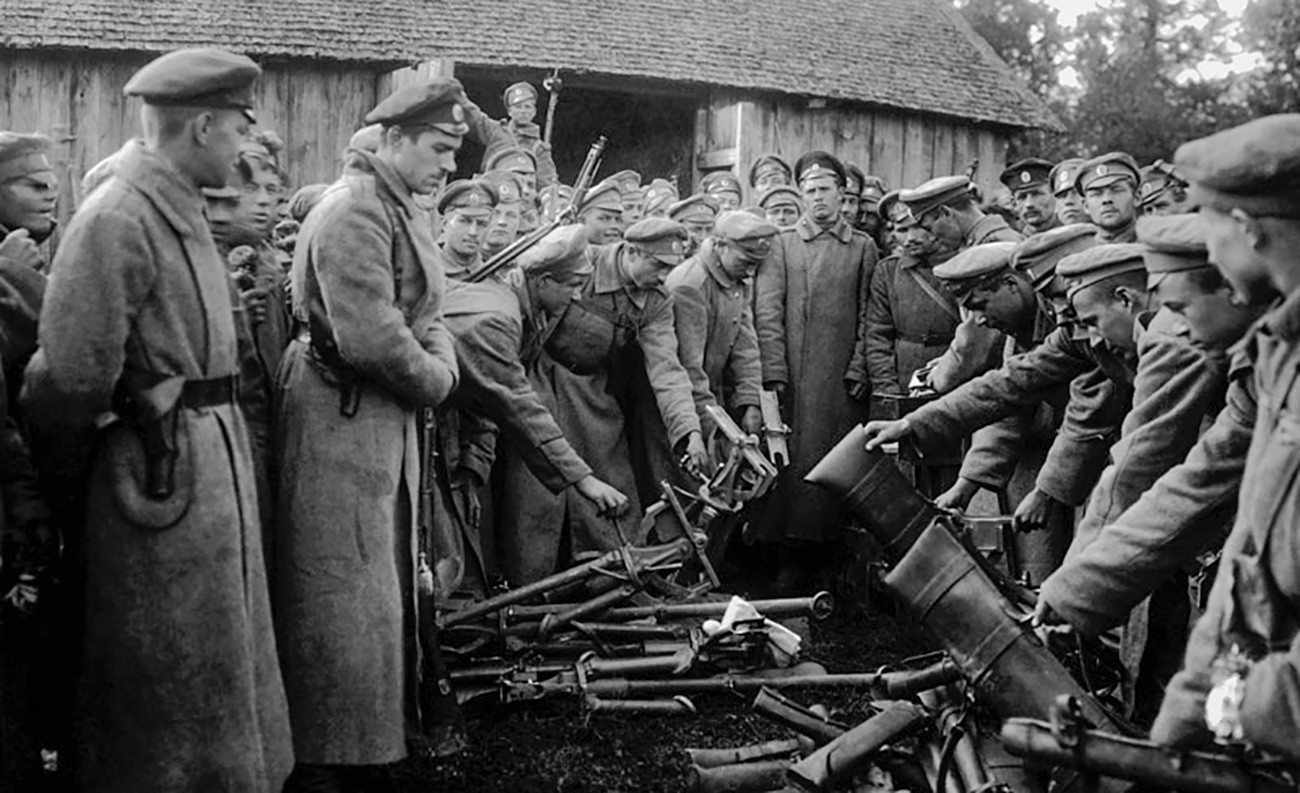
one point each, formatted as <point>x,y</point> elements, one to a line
<point>1106,313</point>
<point>823,196</point>
<point>739,263</point>
<point>850,206</point>
<point>219,134</point>
<point>1069,208</point>
<point>463,232</point>
<point>1111,206</point>
<point>1001,303</point>
<point>939,222</point>
<point>1172,201</point>
<point>527,182</point>
<point>422,159</point>
<point>555,292</point>
<point>783,215</point>
<point>28,202</point>
<point>1205,299</point>
<point>522,111</point>
<point>1035,205</point>
<point>647,271</point>
<point>697,232</point>
<point>1232,239</point>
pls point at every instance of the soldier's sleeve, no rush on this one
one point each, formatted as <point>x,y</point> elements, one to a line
<point>769,315</point>
<point>487,132</point>
<point>669,380</point>
<point>995,451</point>
<point>478,444</point>
<point>881,333</point>
<point>27,541</point>
<point>495,384</point>
<point>547,174</point>
<point>1175,386</point>
<point>101,275</point>
<point>857,368</point>
<point>351,252</point>
<point>1181,515</point>
<point>1022,382</point>
<point>974,350</point>
<point>254,390</point>
<point>1082,445</point>
<point>690,319</point>
<point>745,367</point>
<point>22,290</point>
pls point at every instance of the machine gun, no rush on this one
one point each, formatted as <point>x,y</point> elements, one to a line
<point>564,217</point>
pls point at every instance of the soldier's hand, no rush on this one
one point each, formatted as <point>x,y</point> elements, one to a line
<point>881,432</point>
<point>958,496</point>
<point>1045,615</point>
<point>857,391</point>
<point>255,304</point>
<point>19,248</point>
<point>609,501</point>
<point>466,488</point>
<point>752,420</point>
<point>777,388</point>
<point>698,454</point>
<point>24,594</point>
<point>1034,512</point>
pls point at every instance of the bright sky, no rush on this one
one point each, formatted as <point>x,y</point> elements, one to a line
<point>1071,9</point>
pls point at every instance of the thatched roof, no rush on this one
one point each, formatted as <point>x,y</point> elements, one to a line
<point>917,55</point>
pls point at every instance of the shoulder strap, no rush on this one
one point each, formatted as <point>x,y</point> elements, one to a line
<point>932,293</point>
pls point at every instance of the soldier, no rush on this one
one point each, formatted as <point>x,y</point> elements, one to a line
<point>611,358</point>
<point>466,207</point>
<point>629,188</point>
<point>811,295</point>
<point>1031,193</point>
<point>851,207</point>
<point>768,171</point>
<point>601,214</point>
<point>1177,384</point>
<point>1069,204</point>
<point>523,164</point>
<point>714,320</point>
<point>697,215</point>
<point>1163,191</point>
<point>657,197</point>
<point>1099,380</point>
<point>519,132</point>
<point>947,208</point>
<point>869,219</point>
<point>910,319</point>
<point>1237,685</point>
<point>507,216</point>
<point>494,324</point>
<point>28,192</point>
<point>137,328</point>
<point>368,283</point>
<point>723,187</point>
<point>1108,185</point>
<point>782,205</point>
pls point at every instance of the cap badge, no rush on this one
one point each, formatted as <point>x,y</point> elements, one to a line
<point>457,113</point>
<point>1102,170</point>
<point>475,199</point>
<point>1065,179</point>
<point>1025,177</point>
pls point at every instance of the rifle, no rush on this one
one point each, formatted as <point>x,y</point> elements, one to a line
<point>552,84</point>
<point>564,217</point>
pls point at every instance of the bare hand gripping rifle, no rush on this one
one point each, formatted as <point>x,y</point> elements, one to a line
<point>564,217</point>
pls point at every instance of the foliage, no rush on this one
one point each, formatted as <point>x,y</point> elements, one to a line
<point>1137,65</point>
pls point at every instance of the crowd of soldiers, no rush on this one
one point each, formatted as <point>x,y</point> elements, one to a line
<point>246,429</point>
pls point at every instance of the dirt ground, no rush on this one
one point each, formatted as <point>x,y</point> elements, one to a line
<point>546,746</point>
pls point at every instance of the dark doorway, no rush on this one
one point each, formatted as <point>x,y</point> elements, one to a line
<point>651,129</point>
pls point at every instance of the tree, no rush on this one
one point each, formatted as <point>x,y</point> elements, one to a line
<point>1271,28</point>
<point>1025,33</point>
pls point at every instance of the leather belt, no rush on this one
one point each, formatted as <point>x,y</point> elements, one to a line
<point>198,394</point>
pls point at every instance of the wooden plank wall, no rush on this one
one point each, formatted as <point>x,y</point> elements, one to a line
<point>315,107</point>
<point>903,149</point>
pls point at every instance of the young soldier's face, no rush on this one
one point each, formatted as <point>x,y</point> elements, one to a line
<point>1106,313</point>
<point>504,227</point>
<point>1215,319</point>
<point>423,160</point>
<point>1111,206</point>
<point>28,201</point>
<point>522,111</point>
<point>464,233</point>
<point>823,196</point>
<point>1228,235</point>
<point>783,215</point>
<point>1069,208</point>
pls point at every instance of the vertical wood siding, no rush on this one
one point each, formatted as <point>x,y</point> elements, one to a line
<point>314,106</point>
<point>903,149</point>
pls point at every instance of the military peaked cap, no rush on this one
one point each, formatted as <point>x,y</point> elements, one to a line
<point>512,159</point>
<point>201,77</point>
<point>962,272</point>
<point>506,184</point>
<point>22,155</point>
<point>1107,169</point>
<point>1174,243</point>
<point>519,92</point>
<point>715,182</point>
<point>603,195</point>
<point>1254,167</point>
<point>701,208</point>
<point>1062,176</point>
<point>769,163</point>
<point>435,103</point>
<point>1082,270</point>
<point>779,195</point>
<point>1039,255</point>
<point>819,163</point>
<point>935,193</point>
<point>662,238</point>
<point>1026,173</point>
<point>561,252</point>
<point>475,197</point>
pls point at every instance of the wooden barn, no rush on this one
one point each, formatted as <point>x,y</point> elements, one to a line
<point>903,88</point>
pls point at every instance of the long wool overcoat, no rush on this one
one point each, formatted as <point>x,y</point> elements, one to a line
<point>180,688</point>
<point>364,271</point>
<point>809,312</point>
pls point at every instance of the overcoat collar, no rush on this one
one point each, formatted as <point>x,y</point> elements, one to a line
<point>809,230</point>
<point>174,196</point>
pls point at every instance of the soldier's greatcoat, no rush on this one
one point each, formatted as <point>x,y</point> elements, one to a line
<point>906,327</point>
<point>597,413</point>
<point>180,686</point>
<point>809,310</point>
<point>365,276</point>
<point>1253,600</point>
<point>716,342</point>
